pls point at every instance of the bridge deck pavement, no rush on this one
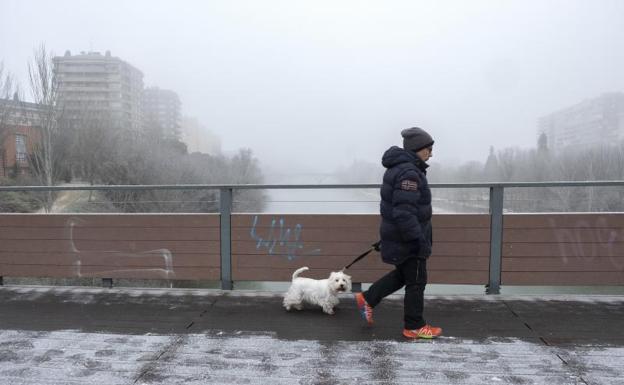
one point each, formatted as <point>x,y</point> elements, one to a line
<point>61,335</point>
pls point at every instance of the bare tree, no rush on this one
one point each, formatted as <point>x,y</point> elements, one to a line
<point>244,169</point>
<point>153,160</point>
<point>93,145</point>
<point>6,89</point>
<point>6,82</point>
<point>48,155</point>
<point>8,85</point>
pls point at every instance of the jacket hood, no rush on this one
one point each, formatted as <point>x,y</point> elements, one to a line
<point>397,155</point>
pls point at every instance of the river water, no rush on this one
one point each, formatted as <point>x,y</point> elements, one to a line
<point>323,201</point>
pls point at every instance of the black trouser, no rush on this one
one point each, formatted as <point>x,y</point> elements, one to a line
<point>413,275</point>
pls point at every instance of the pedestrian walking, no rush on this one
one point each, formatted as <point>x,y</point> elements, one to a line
<point>406,232</point>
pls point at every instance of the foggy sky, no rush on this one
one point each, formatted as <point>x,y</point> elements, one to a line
<point>315,85</point>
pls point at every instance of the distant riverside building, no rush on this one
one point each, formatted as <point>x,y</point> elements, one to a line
<point>592,122</point>
<point>97,86</point>
<point>161,111</point>
<point>20,132</point>
<point>198,138</point>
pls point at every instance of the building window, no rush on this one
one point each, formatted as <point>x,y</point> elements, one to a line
<point>21,156</point>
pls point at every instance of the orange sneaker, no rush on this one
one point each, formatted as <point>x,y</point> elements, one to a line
<point>365,310</point>
<point>426,331</point>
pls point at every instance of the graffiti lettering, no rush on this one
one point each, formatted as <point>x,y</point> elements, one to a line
<point>279,239</point>
<point>600,241</point>
<point>166,271</point>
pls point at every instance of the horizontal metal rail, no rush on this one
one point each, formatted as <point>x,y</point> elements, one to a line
<point>602,183</point>
<point>496,203</point>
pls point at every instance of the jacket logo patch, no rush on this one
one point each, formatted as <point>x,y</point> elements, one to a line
<point>409,185</point>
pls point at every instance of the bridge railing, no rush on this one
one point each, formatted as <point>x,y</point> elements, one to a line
<point>491,249</point>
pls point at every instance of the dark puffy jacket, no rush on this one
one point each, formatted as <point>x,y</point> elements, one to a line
<point>405,207</point>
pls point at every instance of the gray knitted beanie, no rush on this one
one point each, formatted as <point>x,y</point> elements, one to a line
<point>415,139</point>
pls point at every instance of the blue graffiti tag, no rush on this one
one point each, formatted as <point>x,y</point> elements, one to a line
<point>279,236</point>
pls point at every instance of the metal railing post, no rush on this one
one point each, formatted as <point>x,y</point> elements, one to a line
<point>497,194</point>
<point>225,199</point>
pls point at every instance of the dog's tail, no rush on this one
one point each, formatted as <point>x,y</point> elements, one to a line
<point>299,271</point>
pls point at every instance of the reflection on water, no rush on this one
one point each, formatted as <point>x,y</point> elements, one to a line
<point>330,201</point>
<point>323,201</point>
<point>349,201</point>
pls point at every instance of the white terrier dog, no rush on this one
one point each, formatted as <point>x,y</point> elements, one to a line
<point>321,292</point>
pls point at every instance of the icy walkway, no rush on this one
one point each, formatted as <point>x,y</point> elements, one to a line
<point>126,336</point>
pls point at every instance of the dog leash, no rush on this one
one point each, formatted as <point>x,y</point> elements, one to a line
<point>375,246</point>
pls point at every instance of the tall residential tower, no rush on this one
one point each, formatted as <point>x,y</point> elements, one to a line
<point>93,86</point>
<point>161,111</point>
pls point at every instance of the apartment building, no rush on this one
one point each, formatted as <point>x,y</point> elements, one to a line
<point>593,122</point>
<point>198,138</point>
<point>161,111</point>
<point>20,132</point>
<point>96,86</point>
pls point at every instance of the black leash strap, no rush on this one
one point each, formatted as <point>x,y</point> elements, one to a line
<point>375,246</point>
